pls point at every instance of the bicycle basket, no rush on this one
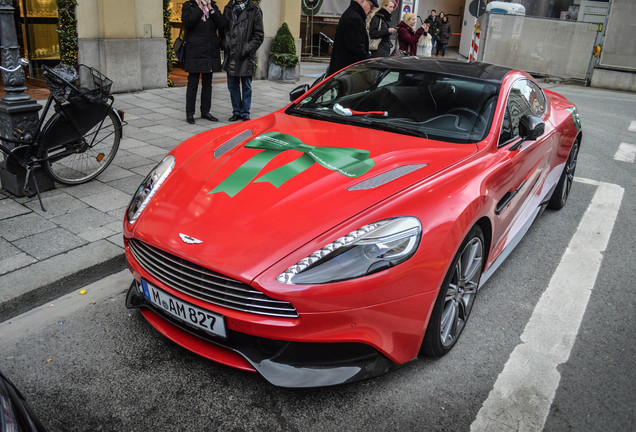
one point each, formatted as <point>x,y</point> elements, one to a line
<point>87,86</point>
<point>94,84</point>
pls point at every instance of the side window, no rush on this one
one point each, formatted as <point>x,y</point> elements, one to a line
<point>518,105</point>
<point>506,128</point>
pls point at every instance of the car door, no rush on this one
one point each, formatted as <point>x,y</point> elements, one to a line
<point>518,180</point>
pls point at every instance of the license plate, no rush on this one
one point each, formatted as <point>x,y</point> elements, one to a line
<point>195,316</point>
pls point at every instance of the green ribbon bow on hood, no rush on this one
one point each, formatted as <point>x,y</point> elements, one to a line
<point>347,161</point>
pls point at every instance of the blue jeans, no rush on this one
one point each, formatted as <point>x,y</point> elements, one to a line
<point>240,94</point>
<point>433,40</point>
<point>441,47</point>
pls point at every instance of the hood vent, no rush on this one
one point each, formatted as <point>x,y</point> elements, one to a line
<point>231,143</point>
<point>384,178</point>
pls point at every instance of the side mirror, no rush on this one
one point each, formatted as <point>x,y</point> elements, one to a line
<point>298,92</point>
<point>531,127</point>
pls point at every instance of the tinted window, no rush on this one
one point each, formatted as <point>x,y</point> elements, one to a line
<point>447,108</point>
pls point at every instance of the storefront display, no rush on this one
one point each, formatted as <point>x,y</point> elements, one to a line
<point>36,23</point>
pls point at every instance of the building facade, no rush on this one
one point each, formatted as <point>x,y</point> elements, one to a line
<point>124,38</point>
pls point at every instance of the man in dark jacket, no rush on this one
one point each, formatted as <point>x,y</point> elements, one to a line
<point>243,35</point>
<point>201,20</point>
<point>351,42</point>
<point>433,22</point>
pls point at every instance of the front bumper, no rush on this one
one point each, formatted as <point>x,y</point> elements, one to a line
<point>282,363</point>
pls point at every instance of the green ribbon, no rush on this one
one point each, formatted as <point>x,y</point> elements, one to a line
<point>347,161</point>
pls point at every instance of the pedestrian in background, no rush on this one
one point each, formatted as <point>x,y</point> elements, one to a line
<point>444,36</point>
<point>202,21</point>
<point>243,35</point>
<point>380,28</point>
<point>433,27</point>
<point>351,42</point>
<point>407,37</point>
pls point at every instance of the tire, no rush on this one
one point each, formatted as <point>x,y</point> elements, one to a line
<point>87,161</point>
<point>456,296</point>
<point>560,195</point>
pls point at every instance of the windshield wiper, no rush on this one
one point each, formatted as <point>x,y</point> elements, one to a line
<point>325,115</point>
<point>348,112</point>
<point>389,127</point>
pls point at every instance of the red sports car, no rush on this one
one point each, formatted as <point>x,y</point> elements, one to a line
<point>340,237</point>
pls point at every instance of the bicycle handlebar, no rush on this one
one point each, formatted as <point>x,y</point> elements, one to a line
<point>22,63</point>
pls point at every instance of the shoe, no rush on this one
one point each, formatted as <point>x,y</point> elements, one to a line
<point>245,117</point>
<point>190,119</point>
<point>235,117</point>
<point>209,117</point>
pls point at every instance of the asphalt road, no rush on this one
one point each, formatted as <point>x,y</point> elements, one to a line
<point>97,366</point>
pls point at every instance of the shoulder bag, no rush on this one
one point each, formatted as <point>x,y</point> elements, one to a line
<point>179,47</point>
<point>374,44</point>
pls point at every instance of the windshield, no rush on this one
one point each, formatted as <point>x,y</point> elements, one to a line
<point>431,105</point>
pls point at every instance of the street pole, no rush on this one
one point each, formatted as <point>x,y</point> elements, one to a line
<point>17,109</point>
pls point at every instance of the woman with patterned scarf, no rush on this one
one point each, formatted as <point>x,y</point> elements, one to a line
<point>202,23</point>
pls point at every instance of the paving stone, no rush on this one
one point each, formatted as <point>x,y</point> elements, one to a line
<point>117,240</point>
<point>149,151</point>
<point>119,213</point>
<point>94,187</point>
<point>12,258</point>
<point>130,161</point>
<point>15,262</point>
<point>97,234</point>
<point>128,185</point>
<point>114,172</point>
<point>24,226</point>
<point>144,169</point>
<point>83,220</point>
<point>49,243</point>
<point>56,205</point>
<point>166,143</point>
<point>9,208</point>
<point>108,201</point>
<point>129,143</point>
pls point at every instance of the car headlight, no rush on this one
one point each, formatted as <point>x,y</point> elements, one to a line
<point>367,250</point>
<point>149,187</point>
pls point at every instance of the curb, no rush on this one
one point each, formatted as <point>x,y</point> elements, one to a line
<point>75,269</point>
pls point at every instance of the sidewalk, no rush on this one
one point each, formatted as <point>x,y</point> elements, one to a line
<point>79,238</point>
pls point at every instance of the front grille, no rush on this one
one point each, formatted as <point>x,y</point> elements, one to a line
<point>204,284</point>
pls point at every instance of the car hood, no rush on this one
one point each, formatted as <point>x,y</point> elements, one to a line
<point>254,193</point>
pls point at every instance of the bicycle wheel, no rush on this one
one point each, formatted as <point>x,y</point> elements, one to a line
<point>80,160</point>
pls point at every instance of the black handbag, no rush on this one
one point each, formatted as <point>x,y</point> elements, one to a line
<point>179,46</point>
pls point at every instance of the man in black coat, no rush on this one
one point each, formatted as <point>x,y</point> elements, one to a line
<point>433,22</point>
<point>351,42</point>
<point>202,21</point>
<point>243,35</point>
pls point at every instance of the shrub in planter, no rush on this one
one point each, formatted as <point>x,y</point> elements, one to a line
<point>282,57</point>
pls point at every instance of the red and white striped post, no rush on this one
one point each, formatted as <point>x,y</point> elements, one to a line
<point>474,44</point>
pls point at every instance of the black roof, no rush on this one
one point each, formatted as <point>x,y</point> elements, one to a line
<point>464,68</point>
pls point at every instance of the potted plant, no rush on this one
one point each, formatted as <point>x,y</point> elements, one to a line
<point>282,58</point>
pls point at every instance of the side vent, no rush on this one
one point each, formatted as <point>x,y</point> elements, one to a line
<point>384,178</point>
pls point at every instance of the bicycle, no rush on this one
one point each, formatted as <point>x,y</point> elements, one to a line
<point>79,140</point>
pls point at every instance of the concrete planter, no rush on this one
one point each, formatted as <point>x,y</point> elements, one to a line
<point>283,73</point>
